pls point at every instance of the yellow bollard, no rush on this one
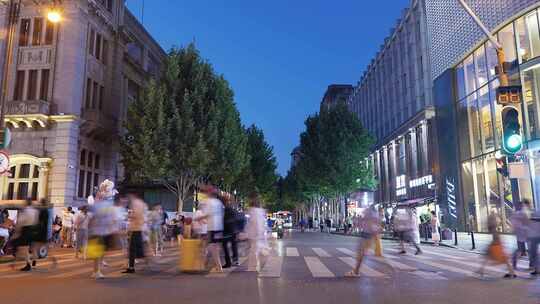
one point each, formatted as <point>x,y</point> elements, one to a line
<point>378,246</point>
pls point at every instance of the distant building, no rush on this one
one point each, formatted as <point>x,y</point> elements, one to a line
<point>69,85</point>
<point>336,93</point>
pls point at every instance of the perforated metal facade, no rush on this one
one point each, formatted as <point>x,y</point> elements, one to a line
<point>453,34</point>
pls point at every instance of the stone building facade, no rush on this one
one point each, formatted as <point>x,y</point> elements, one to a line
<point>69,85</point>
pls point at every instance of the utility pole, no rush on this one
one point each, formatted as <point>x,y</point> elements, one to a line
<point>503,77</point>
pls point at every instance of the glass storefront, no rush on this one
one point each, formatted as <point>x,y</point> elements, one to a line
<point>484,189</point>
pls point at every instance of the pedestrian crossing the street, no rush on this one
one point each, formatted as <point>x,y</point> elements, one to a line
<point>297,261</point>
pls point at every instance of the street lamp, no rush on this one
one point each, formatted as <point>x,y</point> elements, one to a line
<point>54,15</point>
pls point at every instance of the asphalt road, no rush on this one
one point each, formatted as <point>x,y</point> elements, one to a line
<point>302,268</point>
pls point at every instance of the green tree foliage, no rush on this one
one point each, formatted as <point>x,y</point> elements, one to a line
<point>184,128</point>
<point>333,148</point>
<point>260,174</point>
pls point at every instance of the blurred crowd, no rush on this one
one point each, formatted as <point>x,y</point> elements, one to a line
<point>113,221</point>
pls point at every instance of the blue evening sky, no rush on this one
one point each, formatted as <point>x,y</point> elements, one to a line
<point>279,56</point>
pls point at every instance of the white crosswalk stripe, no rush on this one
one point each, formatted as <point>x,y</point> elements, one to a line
<point>317,268</point>
<point>292,252</point>
<point>365,270</point>
<point>272,268</point>
<point>446,267</point>
<point>346,251</point>
<point>226,271</point>
<point>321,252</point>
<point>395,264</point>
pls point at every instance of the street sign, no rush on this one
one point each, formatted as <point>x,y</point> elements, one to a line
<point>4,162</point>
<point>509,95</point>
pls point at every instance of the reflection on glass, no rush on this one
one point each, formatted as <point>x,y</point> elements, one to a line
<point>492,61</point>
<point>469,201</point>
<point>463,129</point>
<point>460,79</point>
<point>485,119</point>
<point>470,77</point>
<point>528,37</point>
<point>480,195</point>
<point>497,108</point>
<point>531,80</point>
<point>481,66</point>
<point>474,125</point>
<point>506,39</point>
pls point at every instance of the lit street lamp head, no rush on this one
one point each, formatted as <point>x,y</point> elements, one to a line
<point>54,16</point>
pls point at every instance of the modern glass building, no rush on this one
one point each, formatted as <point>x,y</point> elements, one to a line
<point>465,83</point>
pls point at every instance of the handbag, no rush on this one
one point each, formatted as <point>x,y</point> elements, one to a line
<point>95,248</point>
<point>496,252</point>
<point>435,236</point>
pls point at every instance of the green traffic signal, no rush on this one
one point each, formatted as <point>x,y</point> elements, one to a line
<point>512,141</point>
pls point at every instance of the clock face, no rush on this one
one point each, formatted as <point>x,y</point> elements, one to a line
<point>4,162</point>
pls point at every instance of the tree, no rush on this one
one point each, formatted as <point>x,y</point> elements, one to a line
<point>260,174</point>
<point>334,149</point>
<point>184,128</point>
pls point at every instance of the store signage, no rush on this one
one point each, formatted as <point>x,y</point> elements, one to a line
<point>424,180</point>
<point>451,195</point>
<point>401,185</point>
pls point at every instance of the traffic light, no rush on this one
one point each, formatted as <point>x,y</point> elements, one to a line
<point>512,142</point>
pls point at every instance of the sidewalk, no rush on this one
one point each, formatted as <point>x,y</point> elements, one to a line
<point>482,240</point>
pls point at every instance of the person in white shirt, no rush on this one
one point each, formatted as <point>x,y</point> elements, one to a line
<point>255,230</point>
<point>67,227</point>
<point>212,210</point>
<point>81,230</point>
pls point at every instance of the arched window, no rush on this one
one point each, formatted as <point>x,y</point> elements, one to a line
<point>26,179</point>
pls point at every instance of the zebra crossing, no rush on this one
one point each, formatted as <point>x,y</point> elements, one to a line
<point>315,262</point>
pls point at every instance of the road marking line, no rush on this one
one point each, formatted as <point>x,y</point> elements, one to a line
<point>394,264</point>
<point>346,251</point>
<point>364,269</point>
<point>84,271</point>
<point>443,255</point>
<point>62,264</point>
<point>272,268</point>
<point>292,252</point>
<point>478,264</point>
<point>226,271</point>
<point>321,253</point>
<point>428,275</point>
<point>425,260</point>
<point>317,268</point>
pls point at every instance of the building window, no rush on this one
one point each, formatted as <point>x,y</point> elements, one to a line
<point>19,85</point>
<point>105,52</point>
<point>528,37</point>
<point>32,85</point>
<point>23,182</point>
<point>506,39</point>
<point>88,173</point>
<point>95,95</point>
<point>49,33</point>
<point>110,5</point>
<point>38,31</point>
<point>24,32</point>
<point>91,42</point>
<point>97,52</point>
<point>88,93</point>
<point>101,97</point>
<point>44,87</point>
